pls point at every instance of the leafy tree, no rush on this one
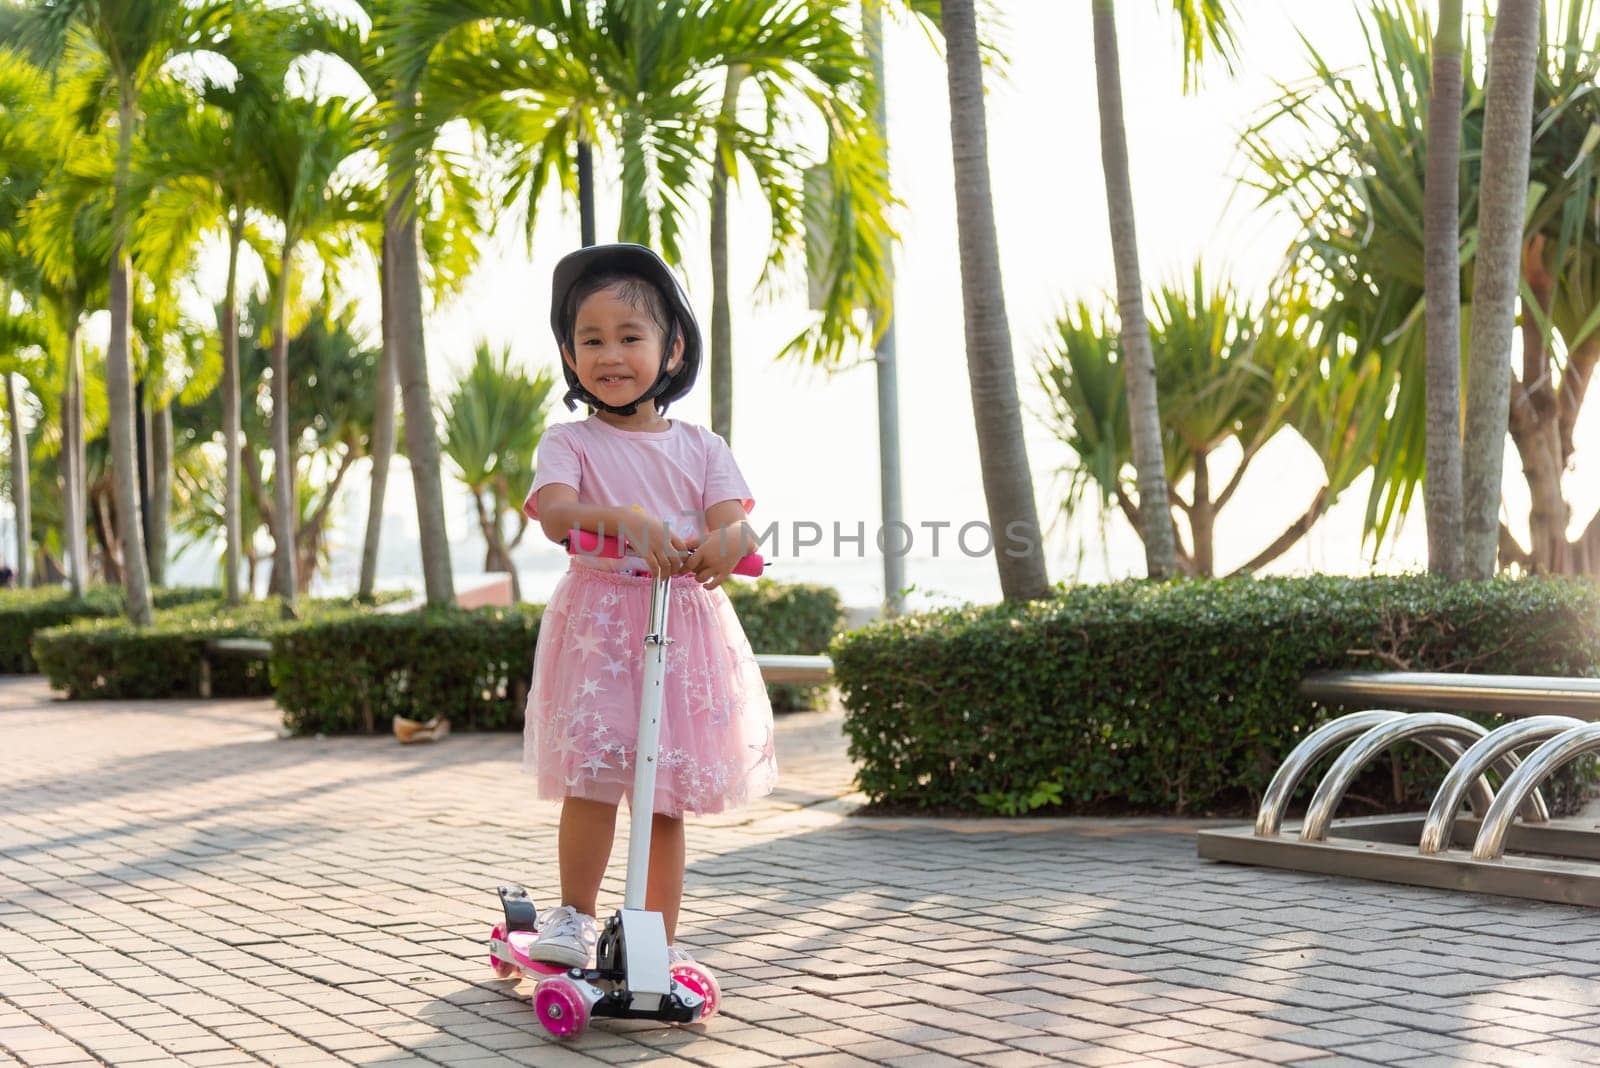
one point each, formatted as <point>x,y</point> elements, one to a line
<point>135,39</point>
<point>1207,28</point>
<point>1234,372</point>
<point>1002,453</point>
<point>1347,156</point>
<point>492,425</point>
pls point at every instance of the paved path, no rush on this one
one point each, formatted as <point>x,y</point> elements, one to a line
<point>178,884</point>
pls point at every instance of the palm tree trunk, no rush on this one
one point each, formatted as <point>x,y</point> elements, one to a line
<point>1144,413</point>
<point>585,192</point>
<point>721,369</point>
<point>1534,421</point>
<point>119,389</point>
<point>1442,281</point>
<point>1203,518</point>
<point>73,497</point>
<point>1502,196</point>
<point>141,456</point>
<point>283,480</point>
<point>160,491</point>
<point>411,367</point>
<point>496,557</point>
<point>308,539</point>
<point>20,490</point>
<point>382,430</point>
<point>1575,378</point>
<point>232,432</point>
<point>894,545</point>
<point>1538,445</point>
<point>991,368</point>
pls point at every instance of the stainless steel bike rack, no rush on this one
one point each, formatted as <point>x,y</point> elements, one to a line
<point>1489,852</point>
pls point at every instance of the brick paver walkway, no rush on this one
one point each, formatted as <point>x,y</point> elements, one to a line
<point>177,883</point>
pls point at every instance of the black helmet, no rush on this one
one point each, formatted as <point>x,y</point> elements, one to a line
<point>633,260</point>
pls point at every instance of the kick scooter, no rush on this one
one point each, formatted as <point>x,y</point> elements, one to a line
<point>631,978</point>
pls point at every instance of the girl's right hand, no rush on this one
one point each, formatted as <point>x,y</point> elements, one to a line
<point>652,539</point>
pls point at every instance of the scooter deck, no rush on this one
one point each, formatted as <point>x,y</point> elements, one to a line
<point>508,955</point>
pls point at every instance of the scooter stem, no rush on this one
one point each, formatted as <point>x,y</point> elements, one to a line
<point>642,807</point>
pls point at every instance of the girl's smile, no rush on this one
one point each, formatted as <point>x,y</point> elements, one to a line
<point>618,350</point>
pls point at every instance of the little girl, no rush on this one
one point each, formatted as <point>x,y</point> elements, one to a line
<point>630,346</point>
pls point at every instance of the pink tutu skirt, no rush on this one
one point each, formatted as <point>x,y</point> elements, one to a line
<point>582,718</point>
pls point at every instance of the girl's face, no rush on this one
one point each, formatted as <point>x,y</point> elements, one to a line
<point>618,348</point>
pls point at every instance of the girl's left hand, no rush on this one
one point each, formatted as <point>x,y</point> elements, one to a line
<point>713,559</point>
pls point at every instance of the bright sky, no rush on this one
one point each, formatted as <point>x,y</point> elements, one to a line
<point>808,443</point>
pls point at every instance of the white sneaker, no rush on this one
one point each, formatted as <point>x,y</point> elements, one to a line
<point>676,954</point>
<point>566,937</point>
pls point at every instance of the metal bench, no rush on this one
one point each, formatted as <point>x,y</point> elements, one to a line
<point>1508,695</point>
<point>775,667</point>
<point>243,648</point>
<point>781,667</point>
<point>1491,852</point>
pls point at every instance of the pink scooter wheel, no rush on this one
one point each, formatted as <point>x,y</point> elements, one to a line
<point>561,1006</point>
<point>503,969</point>
<point>698,978</point>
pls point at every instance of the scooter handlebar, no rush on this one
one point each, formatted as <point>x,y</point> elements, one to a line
<point>588,543</point>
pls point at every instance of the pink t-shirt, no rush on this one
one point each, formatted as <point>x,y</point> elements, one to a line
<point>675,474</point>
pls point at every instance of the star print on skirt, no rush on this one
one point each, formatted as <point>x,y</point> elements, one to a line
<point>582,717</point>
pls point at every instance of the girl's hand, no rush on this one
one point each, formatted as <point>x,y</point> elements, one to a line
<point>713,560</point>
<point>652,539</point>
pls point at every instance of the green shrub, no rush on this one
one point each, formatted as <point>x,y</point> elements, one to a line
<point>787,618</point>
<point>356,670</point>
<point>25,612</point>
<point>113,660</point>
<point>1173,698</point>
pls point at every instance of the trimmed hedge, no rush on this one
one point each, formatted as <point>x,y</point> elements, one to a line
<point>1173,698</point>
<point>788,618</point>
<point>26,612</point>
<point>356,670</point>
<point>110,659</point>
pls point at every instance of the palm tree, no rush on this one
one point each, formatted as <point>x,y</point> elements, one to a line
<point>492,425</point>
<point>24,339</point>
<point>135,39</point>
<point>197,177</point>
<point>1206,27</point>
<point>307,185</point>
<point>24,153</point>
<point>66,232</point>
<point>1234,372</point>
<point>1442,292</point>
<point>1502,196</point>
<point>330,420</point>
<point>1002,454</point>
<point>657,86</point>
<point>1351,165</point>
<point>20,487</point>
<point>179,358</point>
<point>431,205</point>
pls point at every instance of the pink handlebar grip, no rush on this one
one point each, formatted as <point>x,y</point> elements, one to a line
<point>588,543</point>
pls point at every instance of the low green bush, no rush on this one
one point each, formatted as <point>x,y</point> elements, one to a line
<point>781,617</point>
<point>26,612</point>
<point>1172,698</point>
<point>355,670</point>
<point>111,659</point>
